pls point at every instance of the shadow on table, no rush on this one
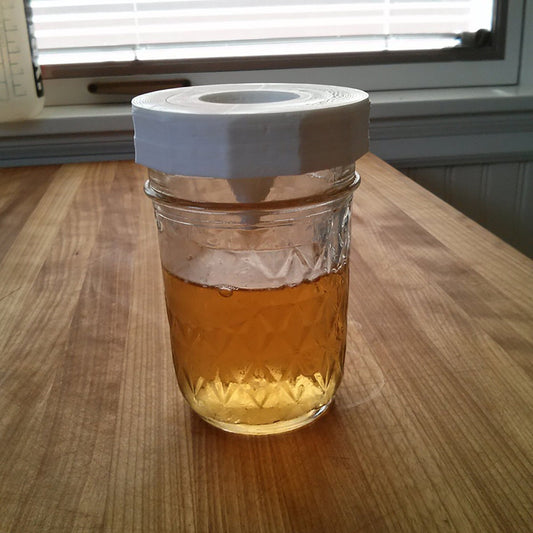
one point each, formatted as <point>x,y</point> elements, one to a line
<point>311,479</point>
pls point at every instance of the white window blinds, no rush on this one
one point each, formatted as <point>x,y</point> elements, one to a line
<point>77,31</point>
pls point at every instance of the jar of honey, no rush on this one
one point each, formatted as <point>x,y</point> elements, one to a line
<point>252,187</point>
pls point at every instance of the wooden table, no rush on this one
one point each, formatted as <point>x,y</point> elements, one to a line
<point>432,429</point>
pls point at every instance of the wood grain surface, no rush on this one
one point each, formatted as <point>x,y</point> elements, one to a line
<point>432,429</point>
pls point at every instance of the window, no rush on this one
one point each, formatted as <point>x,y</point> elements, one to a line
<point>75,31</point>
<point>372,44</point>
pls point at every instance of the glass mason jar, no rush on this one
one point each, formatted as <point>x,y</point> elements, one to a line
<point>256,271</point>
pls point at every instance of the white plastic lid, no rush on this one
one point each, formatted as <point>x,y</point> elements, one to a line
<point>250,130</point>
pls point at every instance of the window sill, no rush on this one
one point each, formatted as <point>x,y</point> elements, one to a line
<point>407,128</point>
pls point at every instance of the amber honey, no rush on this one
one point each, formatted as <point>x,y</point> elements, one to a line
<point>258,360</point>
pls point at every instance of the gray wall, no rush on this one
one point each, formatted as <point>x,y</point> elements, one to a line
<point>499,196</point>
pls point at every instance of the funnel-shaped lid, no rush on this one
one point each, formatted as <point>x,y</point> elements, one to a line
<point>250,130</point>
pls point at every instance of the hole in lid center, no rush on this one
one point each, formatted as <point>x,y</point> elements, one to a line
<point>248,97</point>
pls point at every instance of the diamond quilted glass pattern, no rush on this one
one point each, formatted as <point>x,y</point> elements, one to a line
<point>248,356</point>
